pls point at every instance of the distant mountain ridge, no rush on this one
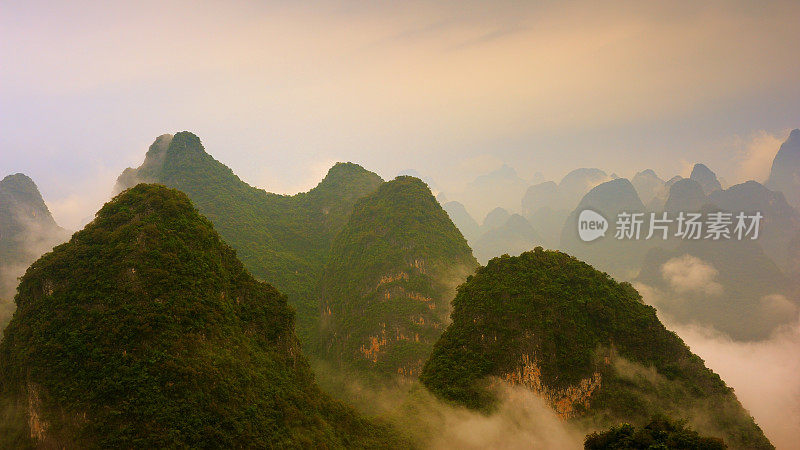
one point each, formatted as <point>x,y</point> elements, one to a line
<point>27,230</point>
<point>784,175</point>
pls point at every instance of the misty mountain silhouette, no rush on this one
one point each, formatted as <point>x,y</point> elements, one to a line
<point>784,175</point>
<point>685,195</point>
<point>648,185</point>
<point>513,237</point>
<point>621,257</point>
<point>27,230</point>
<point>577,183</point>
<point>707,179</point>
<point>461,219</point>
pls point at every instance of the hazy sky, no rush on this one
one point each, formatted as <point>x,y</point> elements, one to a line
<point>280,91</point>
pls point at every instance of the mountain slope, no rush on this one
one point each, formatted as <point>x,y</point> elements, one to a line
<point>27,230</point>
<point>784,176</point>
<point>144,330</point>
<point>620,257</point>
<point>685,195</point>
<point>780,221</point>
<point>587,344</point>
<point>707,179</point>
<point>501,187</point>
<point>390,278</point>
<point>461,219</point>
<point>495,219</point>
<point>515,236</point>
<point>730,285</point>
<point>577,183</point>
<point>280,239</point>
<point>648,185</point>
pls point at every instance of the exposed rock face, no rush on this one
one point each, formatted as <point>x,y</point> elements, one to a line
<point>784,175</point>
<point>568,402</point>
<point>387,288</point>
<point>587,344</point>
<point>707,179</point>
<point>144,330</point>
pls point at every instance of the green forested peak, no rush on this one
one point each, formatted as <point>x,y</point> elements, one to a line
<point>184,141</point>
<point>390,276</point>
<point>345,181</point>
<point>145,331</point>
<point>343,171</point>
<point>551,323</point>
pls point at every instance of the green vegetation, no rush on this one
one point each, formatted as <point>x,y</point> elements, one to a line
<point>391,274</point>
<point>587,343</point>
<point>145,331</point>
<point>660,433</point>
<point>281,239</point>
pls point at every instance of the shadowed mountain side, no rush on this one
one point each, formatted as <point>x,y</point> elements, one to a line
<point>780,221</point>
<point>784,176</point>
<point>495,219</point>
<point>685,195</point>
<point>543,195</point>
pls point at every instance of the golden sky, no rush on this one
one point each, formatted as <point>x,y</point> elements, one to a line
<point>279,91</point>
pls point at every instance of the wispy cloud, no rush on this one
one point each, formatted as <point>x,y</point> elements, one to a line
<point>755,154</point>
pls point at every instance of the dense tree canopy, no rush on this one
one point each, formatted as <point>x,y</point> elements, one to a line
<point>144,330</point>
<point>389,280</point>
<point>281,239</point>
<point>587,343</point>
<point>660,433</point>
